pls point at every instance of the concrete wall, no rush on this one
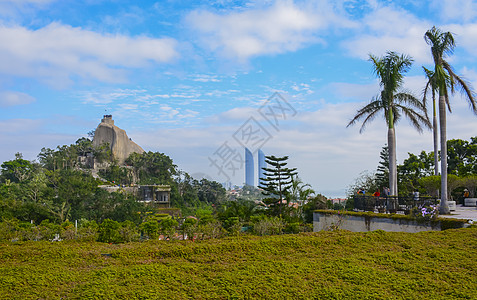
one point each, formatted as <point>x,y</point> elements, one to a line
<point>361,223</point>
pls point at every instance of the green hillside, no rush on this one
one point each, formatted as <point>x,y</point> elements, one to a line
<point>327,265</point>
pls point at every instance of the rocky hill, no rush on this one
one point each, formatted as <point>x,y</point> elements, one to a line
<point>121,145</point>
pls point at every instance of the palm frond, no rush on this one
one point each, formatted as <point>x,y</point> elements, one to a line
<point>371,108</point>
<point>464,86</point>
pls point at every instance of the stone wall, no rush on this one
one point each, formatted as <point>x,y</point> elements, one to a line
<point>323,221</point>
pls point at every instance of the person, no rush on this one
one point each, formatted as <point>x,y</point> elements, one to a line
<point>377,193</point>
<point>466,193</point>
<point>416,195</point>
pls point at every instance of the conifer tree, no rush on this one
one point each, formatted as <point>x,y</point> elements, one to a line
<point>277,181</point>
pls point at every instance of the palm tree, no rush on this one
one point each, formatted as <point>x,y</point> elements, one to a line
<point>442,44</point>
<point>432,87</point>
<point>393,102</point>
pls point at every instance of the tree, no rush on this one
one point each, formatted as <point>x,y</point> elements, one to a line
<point>462,157</point>
<point>382,172</point>
<point>277,181</point>
<point>109,231</point>
<point>393,102</point>
<point>17,170</point>
<point>168,228</point>
<point>443,78</point>
<point>299,191</point>
<point>432,86</point>
<point>365,181</point>
<point>412,169</point>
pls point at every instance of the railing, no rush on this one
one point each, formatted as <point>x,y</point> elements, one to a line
<point>391,204</point>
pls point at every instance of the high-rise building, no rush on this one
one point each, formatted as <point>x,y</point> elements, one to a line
<point>249,168</point>
<point>261,164</point>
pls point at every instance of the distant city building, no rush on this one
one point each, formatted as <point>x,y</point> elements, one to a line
<point>261,164</point>
<point>249,168</point>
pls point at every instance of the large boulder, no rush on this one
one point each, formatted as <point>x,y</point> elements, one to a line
<point>121,145</point>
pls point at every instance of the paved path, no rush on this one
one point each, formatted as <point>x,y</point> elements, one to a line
<point>463,212</point>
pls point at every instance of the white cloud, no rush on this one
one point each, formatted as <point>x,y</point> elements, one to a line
<point>12,98</point>
<point>101,98</point>
<point>28,136</point>
<point>205,78</point>
<point>128,106</point>
<point>58,52</point>
<point>390,29</point>
<point>363,92</point>
<point>279,28</point>
<point>451,10</point>
<point>465,36</point>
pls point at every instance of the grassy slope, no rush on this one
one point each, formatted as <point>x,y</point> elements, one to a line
<point>342,265</point>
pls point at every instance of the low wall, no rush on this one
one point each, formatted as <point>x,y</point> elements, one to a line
<point>470,202</point>
<point>368,222</point>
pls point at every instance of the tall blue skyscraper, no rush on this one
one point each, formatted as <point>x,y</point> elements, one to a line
<point>249,179</point>
<point>261,164</point>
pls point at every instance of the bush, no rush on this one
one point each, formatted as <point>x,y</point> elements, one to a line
<point>269,226</point>
<point>189,228</point>
<point>9,229</point>
<point>87,230</point>
<point>128,231</point>
<point>68,231</point>
<point>168,227</point>
<point>150,229</point>
<point>109,232</point>
<point>48,231</point>
<point>210,230</point>
<point>292,227</point>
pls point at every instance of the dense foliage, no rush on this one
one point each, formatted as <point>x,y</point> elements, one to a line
<point>61,185</point>
<point>416,172</point>
<point>325,265</point>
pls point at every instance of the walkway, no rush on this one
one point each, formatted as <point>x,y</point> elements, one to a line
<point>463,212</point>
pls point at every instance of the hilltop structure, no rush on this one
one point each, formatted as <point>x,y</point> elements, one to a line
<point>121,146</point>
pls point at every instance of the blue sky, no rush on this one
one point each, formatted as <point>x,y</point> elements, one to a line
<point>181,77</point>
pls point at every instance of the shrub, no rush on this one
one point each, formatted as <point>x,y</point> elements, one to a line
<point>47,230</point>
<point>425,213</point>
<point>269,226</point>
<point>68,231</point>
<point>189,227</point>
<point>210,230</point>
<point>292,227</point>
<point>150,229</point>
<point>109,232</point>
<point>168,227</point>
<point>87,230</point>
<point>9,229</point>
<point>128,231</point>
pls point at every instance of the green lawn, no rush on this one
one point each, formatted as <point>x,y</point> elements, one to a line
<point>327,265</point>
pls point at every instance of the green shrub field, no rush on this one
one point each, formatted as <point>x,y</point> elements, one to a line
<point>323,265</point>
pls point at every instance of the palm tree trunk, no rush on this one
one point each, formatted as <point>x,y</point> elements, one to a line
<point>444,208</point>
<point>392,162</point>
<point>436,141</point>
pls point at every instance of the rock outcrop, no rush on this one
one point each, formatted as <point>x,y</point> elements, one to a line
<point>121,145</point>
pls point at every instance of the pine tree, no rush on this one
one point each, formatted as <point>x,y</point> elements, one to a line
<point>277,181</point>
<point>382,172</point>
